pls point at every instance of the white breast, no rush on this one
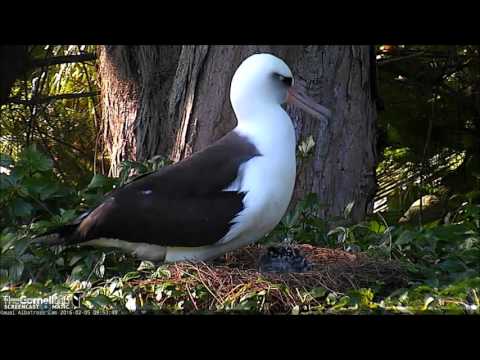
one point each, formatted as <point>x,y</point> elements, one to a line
<point>267,180</point>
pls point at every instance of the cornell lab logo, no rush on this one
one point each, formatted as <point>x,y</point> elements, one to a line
<point>53,302</point>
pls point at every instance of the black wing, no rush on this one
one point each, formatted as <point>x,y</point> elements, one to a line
<point>179,205</point>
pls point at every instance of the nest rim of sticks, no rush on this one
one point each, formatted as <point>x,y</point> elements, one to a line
<point>234,276</point>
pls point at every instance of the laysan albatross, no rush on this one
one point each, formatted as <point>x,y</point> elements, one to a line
<point>221,198</point>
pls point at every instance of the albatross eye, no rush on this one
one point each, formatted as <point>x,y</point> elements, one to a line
<point>286,80</point>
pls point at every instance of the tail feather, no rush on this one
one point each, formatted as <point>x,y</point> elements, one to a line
<point>57,236</point>
<point>48,240</point>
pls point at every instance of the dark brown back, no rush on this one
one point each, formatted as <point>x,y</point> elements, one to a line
<point>180,205</point>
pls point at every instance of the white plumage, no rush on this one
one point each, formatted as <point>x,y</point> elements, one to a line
<point>267,180</point>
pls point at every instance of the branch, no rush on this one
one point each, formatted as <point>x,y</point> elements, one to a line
<point>56,60</point>
<point>60,141</point>
<point>455,69</point>
<point>395,59</point>
<point>47,99</point>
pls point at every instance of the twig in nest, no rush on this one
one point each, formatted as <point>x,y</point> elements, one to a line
<point>191,297</point>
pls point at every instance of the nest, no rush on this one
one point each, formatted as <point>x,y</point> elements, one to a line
<point>234,276</point>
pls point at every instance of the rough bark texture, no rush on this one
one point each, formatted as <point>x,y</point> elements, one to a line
<point>119,102</point>
<point>343,166</point>
<point>199,112</point>
<point>135,83</point>
<point>205,72</point>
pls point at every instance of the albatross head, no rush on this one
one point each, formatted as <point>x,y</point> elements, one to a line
<point>264,80</point>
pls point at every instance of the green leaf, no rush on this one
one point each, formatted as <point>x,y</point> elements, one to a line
<point>162,272</point>
<point>131,275</point>
<point>5,160</point>
<point>113,286</point>
<point>3,277</point>
<point>405,238</point>
<point>9,181</point>
<point>131,303</point>
<point>75,259</point>
<point>100,271</point>
<point>344,300</point>
<point>376,227</point>
<point>21,208</point>
<point>41,187</point>
<point>348,209</point>
<point>146,265</point>
<point>338,229</point>
<point>306,146</point>
<point>427,302</point>
<point>452,265</point>
<point>318,292</point>
<point>5,182</point>
<point>7,240</point>
<point>79,272</point>
<point>362,297</point>
<point>100,300</point>
<point>32,160</point>
<point>16,270</point>
<point>21,245</point>
<point>98,181</point>
<point>295,310</point>
<point>34,290</point>
<point>7,261</point>
<point>432,282</point>
<point>66,216</point>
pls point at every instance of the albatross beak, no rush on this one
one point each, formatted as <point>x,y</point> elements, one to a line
<point>296,96</point>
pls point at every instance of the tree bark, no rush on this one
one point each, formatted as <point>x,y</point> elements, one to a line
<point>343,166</point>
<point>198,112</point>
<point>135,82</point>
<point>200,99</point>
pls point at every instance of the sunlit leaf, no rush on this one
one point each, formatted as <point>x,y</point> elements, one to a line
<point>348,209</point>
<point>33,160</point>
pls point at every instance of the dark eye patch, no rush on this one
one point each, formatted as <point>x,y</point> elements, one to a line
<point>286,80</point>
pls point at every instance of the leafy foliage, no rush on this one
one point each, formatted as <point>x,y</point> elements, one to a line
<point>431,114</point>
<point>442,260</point>
<point>430,123</point>
<point>37,113</point>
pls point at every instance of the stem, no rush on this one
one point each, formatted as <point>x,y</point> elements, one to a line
<point>388,61</point>
<point>46,99</point>
<point>60,141</point>
<point>389,233</point>
<point>41,204</point>
<point>56,60</point>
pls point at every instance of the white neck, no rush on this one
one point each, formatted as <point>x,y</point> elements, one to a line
<point>267,180</point>
<point>270,129</point>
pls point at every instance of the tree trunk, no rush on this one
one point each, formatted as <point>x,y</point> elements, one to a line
<point>135,82</point>
<point>342,168</point>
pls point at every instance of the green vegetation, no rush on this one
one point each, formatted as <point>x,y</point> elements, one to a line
<point>52,170</point>
<point>55,107</point>
<point>441,259</point>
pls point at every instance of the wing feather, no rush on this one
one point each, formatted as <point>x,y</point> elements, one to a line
<point>180,205</point>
